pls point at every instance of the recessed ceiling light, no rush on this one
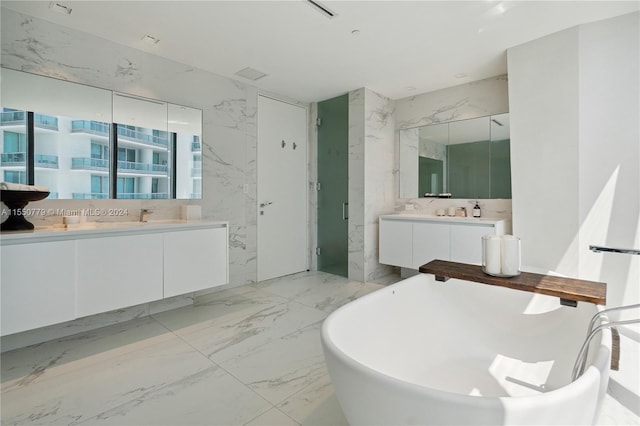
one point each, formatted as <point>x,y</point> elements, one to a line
<point>60,8</point>
<point>355,32</point>
<point>411,88</point>
<point>150,39</point>
<point>460,75</point>
<point>250,73</point>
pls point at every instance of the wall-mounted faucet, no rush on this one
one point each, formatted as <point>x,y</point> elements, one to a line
<point>602,249</point>
<point>144,214</point>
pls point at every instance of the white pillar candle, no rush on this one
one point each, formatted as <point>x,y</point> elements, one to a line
<point>510,255</point>
<point>492,248</point>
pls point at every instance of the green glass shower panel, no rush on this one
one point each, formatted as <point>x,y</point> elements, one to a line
<point>472,165</point>
<point>333,177</point>
<point>500,169</point>
<point>429,176</point>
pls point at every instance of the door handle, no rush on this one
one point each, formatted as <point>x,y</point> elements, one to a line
<point>345,211</point>
<point>265,204</point>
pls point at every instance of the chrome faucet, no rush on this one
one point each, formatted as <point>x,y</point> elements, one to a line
<point>144,214</point>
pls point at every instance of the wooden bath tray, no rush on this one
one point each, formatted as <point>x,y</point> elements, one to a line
<point>569,290</point>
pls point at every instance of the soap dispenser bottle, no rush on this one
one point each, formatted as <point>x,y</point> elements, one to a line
<point>476,210</point>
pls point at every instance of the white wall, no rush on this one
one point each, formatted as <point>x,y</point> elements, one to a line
<point>543,102</point>
<point>575,151</point>
<point>609,153</point>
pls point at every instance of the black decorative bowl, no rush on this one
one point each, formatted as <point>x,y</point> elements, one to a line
<point>16,201</point>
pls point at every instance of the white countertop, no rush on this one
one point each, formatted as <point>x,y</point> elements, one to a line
<point>102,229</point>
<point>413,216</point>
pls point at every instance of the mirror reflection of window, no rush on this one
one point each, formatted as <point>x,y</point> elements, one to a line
<point>143,171</point>
<point>159,151</point>
<point>13,152</point>
<point>186,124</point>
<point>89,152</point>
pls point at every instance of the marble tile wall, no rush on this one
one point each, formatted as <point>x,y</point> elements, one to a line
<point>356,184</point>
<point>471,100</point>
<point>313,178</point>
<point>371,189</point>
<point>379,165</point>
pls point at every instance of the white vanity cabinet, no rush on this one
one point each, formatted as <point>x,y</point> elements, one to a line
<point>430,241</point>
<point>194,260</point>
<point>53,276</point>
<point>410,241</point>
<point>38,285</point>
<point>398,239</point>
<point>114,272</point>
<point>466,241</point>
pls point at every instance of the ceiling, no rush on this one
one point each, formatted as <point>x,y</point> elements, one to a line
<point>396,48</point>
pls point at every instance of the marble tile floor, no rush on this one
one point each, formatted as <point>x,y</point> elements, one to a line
<point>250,355</point>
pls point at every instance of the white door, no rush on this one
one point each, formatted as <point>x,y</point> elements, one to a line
<point>282,189</point>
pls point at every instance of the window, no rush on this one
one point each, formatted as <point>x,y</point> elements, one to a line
<point>99,187</point>
<point>14,176</point>
<point>99,151</point>
<point>125,154</point>
<point>14,142</point>
<point>126,188</point>
<point>13,149</point>
<point>48,141</point>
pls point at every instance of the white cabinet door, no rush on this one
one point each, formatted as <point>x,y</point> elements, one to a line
<point>466,242</point>
<point>396,243</point>
<point>430,241</point>
<point>195,260</point>
<point>38,286</point>
<point>115,272</point>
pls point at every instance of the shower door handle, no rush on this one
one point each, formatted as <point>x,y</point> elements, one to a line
<point>345,211</point>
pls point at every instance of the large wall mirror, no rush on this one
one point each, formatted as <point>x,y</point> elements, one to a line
<point>91,143</point>
<point>466,159</point>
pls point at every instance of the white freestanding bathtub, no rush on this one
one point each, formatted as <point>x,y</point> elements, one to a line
<point>423,352</point>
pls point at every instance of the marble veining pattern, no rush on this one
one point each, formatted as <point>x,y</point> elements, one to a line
<point>159,370</point>
<point>475,99</point>
<point>379,183</point>
<point>356,185</point>
<point>371,181</point>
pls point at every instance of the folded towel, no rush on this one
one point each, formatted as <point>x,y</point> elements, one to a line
<point>8,186</point>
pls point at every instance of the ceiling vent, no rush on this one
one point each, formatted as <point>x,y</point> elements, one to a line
<point>60,8</point>
<point>250,73</point>
<point>150,39</point>
<point>322,9</point>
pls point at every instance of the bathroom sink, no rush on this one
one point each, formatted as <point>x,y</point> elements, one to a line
<point>119,225</point>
